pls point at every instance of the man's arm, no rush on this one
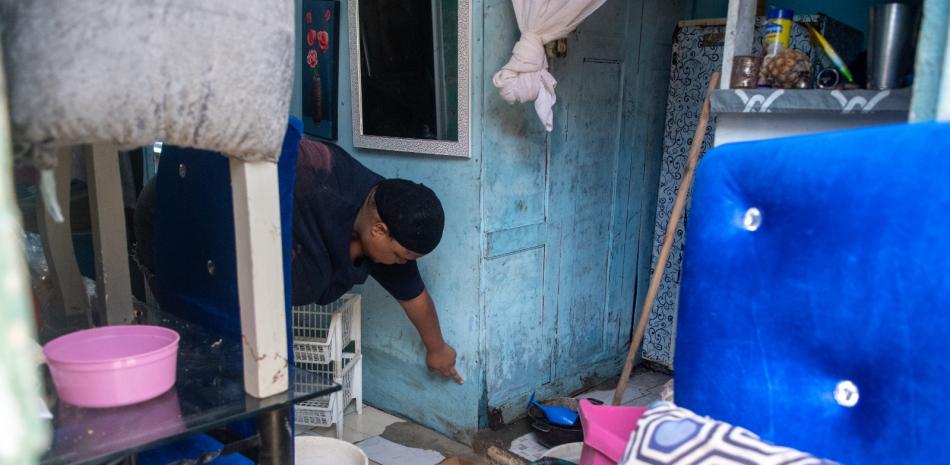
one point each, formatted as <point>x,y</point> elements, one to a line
<point>440,356</point>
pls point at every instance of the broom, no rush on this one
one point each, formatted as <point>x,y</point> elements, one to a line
<point>685,183</point>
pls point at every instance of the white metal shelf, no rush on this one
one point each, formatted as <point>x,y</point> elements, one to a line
<point>806,101</point>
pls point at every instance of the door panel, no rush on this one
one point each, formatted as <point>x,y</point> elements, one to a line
<point>519,344</point>
<point>583,173</point>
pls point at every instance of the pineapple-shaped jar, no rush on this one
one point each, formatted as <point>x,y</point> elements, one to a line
<point>788,69</point>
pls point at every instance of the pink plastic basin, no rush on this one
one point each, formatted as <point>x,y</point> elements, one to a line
<point>606,432</point>
<point>113,366</point>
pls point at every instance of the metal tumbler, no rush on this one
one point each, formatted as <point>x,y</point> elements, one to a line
<point>890,45</point>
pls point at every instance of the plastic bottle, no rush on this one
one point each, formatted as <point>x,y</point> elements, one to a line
<point>778,30</point>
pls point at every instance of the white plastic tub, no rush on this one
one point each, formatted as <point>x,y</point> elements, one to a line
<point>570,452</point>
<point>316,450</point>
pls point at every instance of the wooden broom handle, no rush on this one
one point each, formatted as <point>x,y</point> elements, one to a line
<point>504,457</point>
<point>685,183</point>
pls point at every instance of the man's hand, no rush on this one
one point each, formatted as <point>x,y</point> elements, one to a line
<point>440,357</point>
<point>442,360</point>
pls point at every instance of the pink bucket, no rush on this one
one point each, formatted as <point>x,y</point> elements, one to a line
<point>113,366</point>
<point>606,432</point>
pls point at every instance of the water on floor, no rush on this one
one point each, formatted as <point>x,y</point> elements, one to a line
<point>390,440</point>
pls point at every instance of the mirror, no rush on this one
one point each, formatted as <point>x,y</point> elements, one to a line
<point>409,67</point>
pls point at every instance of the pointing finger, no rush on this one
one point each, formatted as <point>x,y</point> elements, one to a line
<point>455,375</point>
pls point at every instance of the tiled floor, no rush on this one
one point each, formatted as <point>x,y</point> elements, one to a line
<point>376,423</point>
<point>372,422</point>
<point>645,387</point>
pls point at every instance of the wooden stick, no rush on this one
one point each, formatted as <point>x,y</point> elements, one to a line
<point>107,212</point>
<point>260,276</point>
<point>504,457</point>
<point>685,184</point>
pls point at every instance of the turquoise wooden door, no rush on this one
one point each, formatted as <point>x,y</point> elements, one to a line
<point>586,181</point>
<point>564,212</point>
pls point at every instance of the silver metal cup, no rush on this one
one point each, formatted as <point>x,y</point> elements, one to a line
<point>890,45</point>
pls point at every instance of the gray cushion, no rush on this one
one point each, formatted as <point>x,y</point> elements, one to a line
<point>211,74</point>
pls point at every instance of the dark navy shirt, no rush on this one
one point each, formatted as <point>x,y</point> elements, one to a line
<point>328,192</point>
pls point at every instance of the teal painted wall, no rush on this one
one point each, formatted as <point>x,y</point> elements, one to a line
<point>395,375</point>
<point>541,263</point>
<point>932,69</point>
<point>851,12</point>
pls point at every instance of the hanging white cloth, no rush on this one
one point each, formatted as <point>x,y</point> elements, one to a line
<point>525,77</point>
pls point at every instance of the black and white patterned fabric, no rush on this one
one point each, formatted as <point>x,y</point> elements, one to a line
<point>667,434</point>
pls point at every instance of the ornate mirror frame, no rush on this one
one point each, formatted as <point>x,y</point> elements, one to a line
<point>459,148</point>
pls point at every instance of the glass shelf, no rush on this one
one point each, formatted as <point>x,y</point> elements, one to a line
<point>209,393</point>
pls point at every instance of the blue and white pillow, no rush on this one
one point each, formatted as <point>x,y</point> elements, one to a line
<point>667,434</point>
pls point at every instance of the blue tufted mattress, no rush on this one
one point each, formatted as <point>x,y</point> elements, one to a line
<point>815,306</point>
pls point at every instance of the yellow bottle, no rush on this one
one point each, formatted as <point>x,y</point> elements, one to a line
<point>778,30</point>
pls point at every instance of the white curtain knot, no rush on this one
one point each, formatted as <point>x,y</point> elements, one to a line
<point>525,75</point>
<point>528,54</point>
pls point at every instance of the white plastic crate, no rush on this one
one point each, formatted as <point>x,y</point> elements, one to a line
<point>321,332</point>
<point>328,410</point>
